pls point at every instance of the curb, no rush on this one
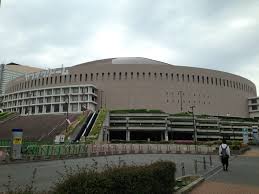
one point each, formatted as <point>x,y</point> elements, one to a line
<point>189,187</point>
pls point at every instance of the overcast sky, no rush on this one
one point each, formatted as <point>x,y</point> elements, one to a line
<point>216,34</point>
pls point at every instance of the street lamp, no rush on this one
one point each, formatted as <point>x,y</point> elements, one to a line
<point>194,127</point>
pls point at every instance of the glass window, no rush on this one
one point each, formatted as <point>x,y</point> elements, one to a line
<point>74,98</point>
<point>49,92</point>
<point>75,90</point>
<point>65,90</point>
<point>57,98</point>
<point>75,77</point>
<point>74,107</point>
<point>57,91</point>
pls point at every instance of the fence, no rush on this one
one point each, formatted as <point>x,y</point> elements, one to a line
<point>51,152</point>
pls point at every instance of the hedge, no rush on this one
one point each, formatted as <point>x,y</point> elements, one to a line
<point>156,178</point>
<point>5,115</point>
<point>94,133</point>
<point>125,111</point>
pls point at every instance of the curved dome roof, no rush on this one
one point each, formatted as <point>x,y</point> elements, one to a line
<point>136,60</point>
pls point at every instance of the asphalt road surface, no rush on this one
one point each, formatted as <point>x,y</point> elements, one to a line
<point>48,172</point>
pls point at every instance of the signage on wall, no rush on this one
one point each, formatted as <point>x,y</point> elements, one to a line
<point>46,73</point>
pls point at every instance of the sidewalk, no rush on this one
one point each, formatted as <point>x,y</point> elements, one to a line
<point>242,177</point>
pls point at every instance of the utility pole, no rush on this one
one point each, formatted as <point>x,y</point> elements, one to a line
<point>181,99</point>
<point>194,128</point>
<point>67,103</point>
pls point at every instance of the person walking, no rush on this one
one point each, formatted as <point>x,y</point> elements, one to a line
<point>224,153</point>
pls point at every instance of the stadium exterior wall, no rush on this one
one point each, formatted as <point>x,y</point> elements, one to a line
<point>133,83</point>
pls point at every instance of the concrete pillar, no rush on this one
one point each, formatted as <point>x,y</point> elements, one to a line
<point>127,135</point>
<point>166,135</point>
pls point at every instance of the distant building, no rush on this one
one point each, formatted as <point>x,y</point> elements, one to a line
<point>253,106</point>
<point>11,71</point>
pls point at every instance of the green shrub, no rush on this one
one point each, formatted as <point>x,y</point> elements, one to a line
<point>156,178</point>
<point>94,133</point>
<point>126,111</point>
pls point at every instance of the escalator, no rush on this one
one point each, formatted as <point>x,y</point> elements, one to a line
<point>86,128</point>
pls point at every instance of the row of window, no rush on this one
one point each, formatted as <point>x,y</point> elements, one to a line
<point>120,76</point>
<point>56,91</point>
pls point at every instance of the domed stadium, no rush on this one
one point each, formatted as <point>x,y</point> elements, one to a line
<point>129,83</point>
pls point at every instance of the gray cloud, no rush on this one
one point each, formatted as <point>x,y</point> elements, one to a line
<point>221,35</point>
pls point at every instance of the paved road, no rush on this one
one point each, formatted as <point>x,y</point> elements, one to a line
<point>47,171</point>
<point>242,177</point>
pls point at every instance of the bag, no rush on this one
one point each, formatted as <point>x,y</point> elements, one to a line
<point>224,152</point>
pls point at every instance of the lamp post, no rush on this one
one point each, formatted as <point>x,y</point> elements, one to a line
<point>67,107</point>
<point>194,127</point>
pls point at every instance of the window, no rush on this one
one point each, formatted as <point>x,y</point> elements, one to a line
<point>193,78</point>
<point>216,81</point>
<point>230,82</point>
<point>126,75</point>
<point>56,79</point>
<point>75,77</point>
<point>254,101</point>
<point>92,76</point>
<point>224,83</point>
<point>74,107</point>
<point>166,76</point>
<point>202,79</point>
<point>149,75</point>
<point>74,98</point>
<point>114,75</point>
<point>177,75</point>
<point>155,75</point>
<point>65,79</point>
<point>42,82</point>
<point>137,75</point>
<point>211,80</point>
<point>220,81</point>
<point>102,76</point>
<point>161,76</point>
<point>70,78</point>
<point>51,80</point>
<point>60,79</point>
<point>172,76</point>
<point>47,81</point>
<point>188,78</point>
<point>56,107</point>
<point>80,78</point>
<point>97,75</point>
<point>144,76</point>
<point>120,76</point>
<point>65,90</point>
<point>57,91</point>
<point>198,79</point>
<point>183,77</point>
<point>254,107</point>
<point>108,76</point>
<point>49,92</point>
<point>207,80</point>
<point>75,90</point>
<point>86,77</point>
